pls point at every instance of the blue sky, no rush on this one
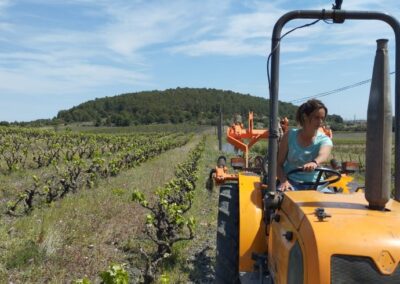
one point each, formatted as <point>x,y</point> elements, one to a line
<point>55,54</point>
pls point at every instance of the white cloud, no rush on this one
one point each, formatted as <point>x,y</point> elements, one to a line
<point>218,47</point>
<point>66,79</point>
<point>133,28</point>
<point>249,34</point>
<point>117,47</point>
<point>234,35</point>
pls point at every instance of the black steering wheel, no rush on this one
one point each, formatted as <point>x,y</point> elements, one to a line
<point>332,177</point>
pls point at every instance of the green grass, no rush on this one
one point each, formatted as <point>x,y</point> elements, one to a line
<point>183,268</point>
<point>349,138</point>
<point>28,252</point>
<point>181,127</point>
<point>84,233</point>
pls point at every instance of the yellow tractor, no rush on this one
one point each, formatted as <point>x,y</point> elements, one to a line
<point>308,236</point>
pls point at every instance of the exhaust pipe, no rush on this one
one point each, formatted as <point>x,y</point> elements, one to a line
<point>379,132</point>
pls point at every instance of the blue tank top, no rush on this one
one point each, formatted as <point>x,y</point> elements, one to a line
<point>297,155</point>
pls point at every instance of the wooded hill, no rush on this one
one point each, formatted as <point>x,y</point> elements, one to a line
<point>173,106</point>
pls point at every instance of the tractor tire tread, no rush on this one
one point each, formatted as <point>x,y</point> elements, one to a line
<point>227,261</point>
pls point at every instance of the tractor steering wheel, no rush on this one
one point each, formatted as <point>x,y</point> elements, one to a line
<point>333,176</point>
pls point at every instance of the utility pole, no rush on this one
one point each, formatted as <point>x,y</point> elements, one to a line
<point>220,129</point>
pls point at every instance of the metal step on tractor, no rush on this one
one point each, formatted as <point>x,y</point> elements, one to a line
<point>308,236</point>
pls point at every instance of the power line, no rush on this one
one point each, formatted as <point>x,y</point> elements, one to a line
<point>278,43</point>
<point>335,90</point>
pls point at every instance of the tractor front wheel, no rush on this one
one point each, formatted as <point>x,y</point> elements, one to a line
<point>227,260</point>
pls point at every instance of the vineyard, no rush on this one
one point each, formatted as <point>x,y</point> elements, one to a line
<point>60,164</point>
<point>62,190</point>
<point>83,207</point>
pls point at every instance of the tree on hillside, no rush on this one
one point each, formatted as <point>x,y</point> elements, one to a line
<point>174,106</point>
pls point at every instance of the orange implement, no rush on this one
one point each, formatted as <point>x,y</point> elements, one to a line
<point>237,135</point>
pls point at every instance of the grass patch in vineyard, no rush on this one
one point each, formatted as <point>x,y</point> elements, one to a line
<point>168,221</point>
<point>150,128</point>
<point>193,261</point>
<point>83,233</point>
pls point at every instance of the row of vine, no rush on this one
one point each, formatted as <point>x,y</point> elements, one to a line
<point>80,172</point>
<point>168,223</point>
<point>31,148</point>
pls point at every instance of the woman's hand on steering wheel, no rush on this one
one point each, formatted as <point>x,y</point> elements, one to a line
<point>334,176</point>
<point>310,166</point>
<point>285,186</point>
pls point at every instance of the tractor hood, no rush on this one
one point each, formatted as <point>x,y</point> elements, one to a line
<point>350,228</point>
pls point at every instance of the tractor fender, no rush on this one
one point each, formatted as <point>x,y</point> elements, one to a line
<point>252,229</point>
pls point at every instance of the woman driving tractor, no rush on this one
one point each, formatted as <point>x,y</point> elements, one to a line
<point>304,148</point>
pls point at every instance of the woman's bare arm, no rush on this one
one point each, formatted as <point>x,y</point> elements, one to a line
<point>323,156</point>
<point>282,154</point>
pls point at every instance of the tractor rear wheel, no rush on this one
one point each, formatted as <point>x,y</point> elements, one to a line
<point>227,260</point>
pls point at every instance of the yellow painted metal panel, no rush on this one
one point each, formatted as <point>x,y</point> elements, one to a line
<point>279,248</point>
<point>252,235</point>
<point>352,229</point>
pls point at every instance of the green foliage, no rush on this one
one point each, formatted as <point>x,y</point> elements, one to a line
<point>167,223</point>
<point>118,191</point>
<point>82,281</point>
<point>66,231</point>
<point>27,253</point>
<point>73,161</point>
<point>139,197</point>
<point>164,279</point>
<point>116,274</point>
<point>174,106</point>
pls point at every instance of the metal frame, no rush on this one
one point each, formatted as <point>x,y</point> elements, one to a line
<point>338,16</point>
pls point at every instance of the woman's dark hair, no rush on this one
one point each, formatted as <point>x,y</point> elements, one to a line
<point>307,108</point>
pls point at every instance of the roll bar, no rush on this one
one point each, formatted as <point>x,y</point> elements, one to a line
<point>338,16</point>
